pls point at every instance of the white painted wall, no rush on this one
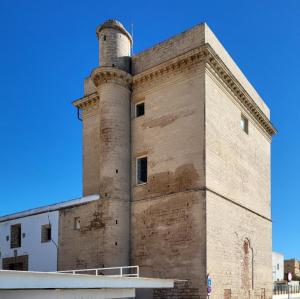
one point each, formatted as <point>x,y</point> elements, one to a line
<point>41,256</point>
<point>68,294</point>
<point>277,266</point>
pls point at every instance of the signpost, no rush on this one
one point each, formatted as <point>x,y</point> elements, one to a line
<point>209,285</point>
<point>289,277</point>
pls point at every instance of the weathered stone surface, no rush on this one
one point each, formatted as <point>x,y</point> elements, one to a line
<point>206,206</point>
<point>101,241</point>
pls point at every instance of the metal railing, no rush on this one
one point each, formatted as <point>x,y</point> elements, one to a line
<point>127,271</point>
<point>286,289</point>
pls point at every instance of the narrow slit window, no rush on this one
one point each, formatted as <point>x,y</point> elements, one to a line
<point>140,109</point>
<point>244,124</point>
<point>104,37</point>
<point>77,223</point>
<point>142,170</point>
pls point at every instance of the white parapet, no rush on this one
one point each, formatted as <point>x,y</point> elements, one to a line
<point>18,284</point>
<point>286,296</point>
<point>68,294</point>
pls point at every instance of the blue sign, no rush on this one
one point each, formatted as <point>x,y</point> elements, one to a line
<point>209,285</point>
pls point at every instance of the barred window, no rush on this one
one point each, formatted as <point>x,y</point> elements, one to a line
<point>15,236</point>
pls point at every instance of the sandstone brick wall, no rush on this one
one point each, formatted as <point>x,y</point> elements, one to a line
<point>102,239</point>
<point>183,42</point>
<point>206,205</point>
<point>171,134</point>
<point>213,41</point>
<point>168,240</point>
<point>168,213</point>
<point>89,86</point>
<point>114,49</point>
<point>168,49</point>
<point>239,228</point>
<point>237,164</point>
<point>114,138</point>
<point>228,227</point>
<point>91,148</point>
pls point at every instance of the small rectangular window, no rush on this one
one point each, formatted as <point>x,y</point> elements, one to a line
<point>46,233</point>
<point>139,109</point>
<point>244,124</point>
<point>77,223</point>
<point>142,170</point>
<point>15,236</point>
<point>104,37</point>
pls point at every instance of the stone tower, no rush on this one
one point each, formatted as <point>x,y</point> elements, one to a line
<point>177,143</point>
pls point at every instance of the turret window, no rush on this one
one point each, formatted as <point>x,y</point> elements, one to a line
<point>104,37</point>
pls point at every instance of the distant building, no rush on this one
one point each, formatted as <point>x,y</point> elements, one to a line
<point>29,240</point>
<point>278,266</point>
<point>293,266</point>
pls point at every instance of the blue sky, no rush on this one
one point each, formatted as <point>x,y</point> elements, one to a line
<point>48,47</point>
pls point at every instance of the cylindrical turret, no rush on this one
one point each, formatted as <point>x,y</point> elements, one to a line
<point>112,82</point>
<point>114,45</point>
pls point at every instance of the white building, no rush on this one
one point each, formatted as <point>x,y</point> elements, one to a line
<point>33,285</point>
<point>29,240</point>
<point>278,266</point>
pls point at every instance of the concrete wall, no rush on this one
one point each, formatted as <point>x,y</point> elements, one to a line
<point>277,266</point>
<point>41,256</point>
